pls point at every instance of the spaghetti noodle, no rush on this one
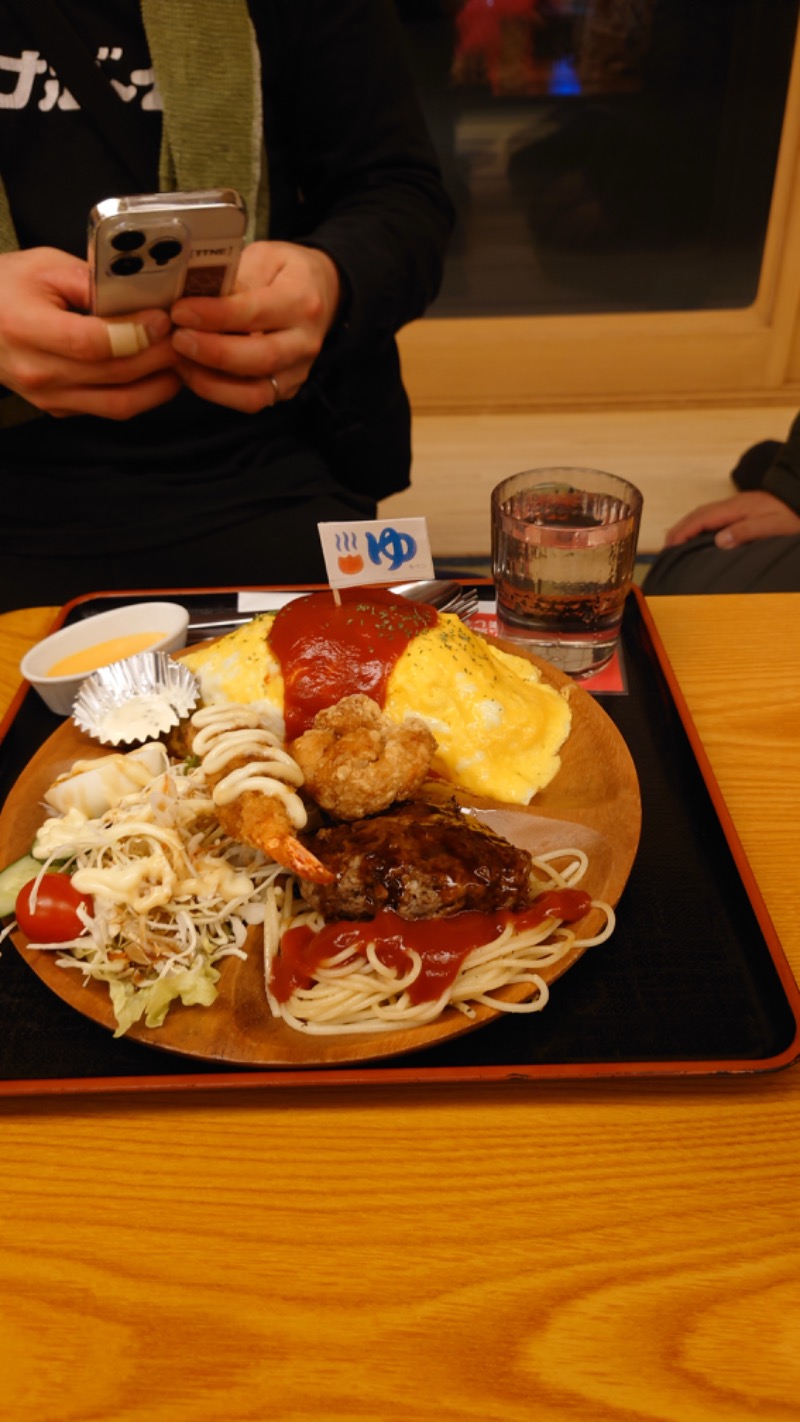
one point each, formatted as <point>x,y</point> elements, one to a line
<point>362,988</point>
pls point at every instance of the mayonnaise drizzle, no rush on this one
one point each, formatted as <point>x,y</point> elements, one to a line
<point>226,733</point>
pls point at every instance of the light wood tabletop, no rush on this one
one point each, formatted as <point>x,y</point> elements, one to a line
<point>600,1250</point>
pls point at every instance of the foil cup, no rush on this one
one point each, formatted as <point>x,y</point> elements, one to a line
<point>136,700</point>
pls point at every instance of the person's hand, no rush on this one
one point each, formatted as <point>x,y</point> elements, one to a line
<point>258,345</point>
<point>740,519</point>
<point>67,363</point>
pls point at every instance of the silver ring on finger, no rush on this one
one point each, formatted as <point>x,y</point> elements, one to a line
<point>276,387</point>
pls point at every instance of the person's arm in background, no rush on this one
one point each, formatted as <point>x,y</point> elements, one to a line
<point>62,361</point>
<point>773,511</point>
<point>361,252</point>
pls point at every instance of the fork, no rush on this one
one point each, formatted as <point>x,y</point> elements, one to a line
<point>445,595</point>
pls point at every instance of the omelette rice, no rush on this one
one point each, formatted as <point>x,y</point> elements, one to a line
<point>498,727</point>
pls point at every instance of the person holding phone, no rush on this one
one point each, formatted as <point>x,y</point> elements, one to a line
<point>201,445</point>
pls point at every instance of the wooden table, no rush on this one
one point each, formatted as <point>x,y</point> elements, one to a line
<point>590,1251</point>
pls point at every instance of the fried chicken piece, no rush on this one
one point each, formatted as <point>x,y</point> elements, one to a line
<point>356,762</point>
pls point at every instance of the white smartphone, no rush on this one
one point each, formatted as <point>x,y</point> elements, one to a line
<point>151,249</point>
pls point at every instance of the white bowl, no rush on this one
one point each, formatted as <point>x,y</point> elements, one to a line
<point>59,692</point>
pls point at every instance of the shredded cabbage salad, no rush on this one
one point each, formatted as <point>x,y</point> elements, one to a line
<point>173,895</point>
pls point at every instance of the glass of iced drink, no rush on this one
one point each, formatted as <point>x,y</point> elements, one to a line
<point>563,552</point>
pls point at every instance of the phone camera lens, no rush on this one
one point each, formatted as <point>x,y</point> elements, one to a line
<point>164,251</point>
<point>126,266</point>
<point>127,240</point>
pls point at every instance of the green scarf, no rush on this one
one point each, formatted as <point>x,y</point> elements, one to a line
<point>207,141</point>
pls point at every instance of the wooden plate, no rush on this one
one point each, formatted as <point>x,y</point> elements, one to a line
<point>593,802</point>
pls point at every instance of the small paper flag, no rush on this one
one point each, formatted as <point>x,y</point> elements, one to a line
<point>376,551</point>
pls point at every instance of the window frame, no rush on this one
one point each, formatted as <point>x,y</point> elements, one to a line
<point>514,364</point>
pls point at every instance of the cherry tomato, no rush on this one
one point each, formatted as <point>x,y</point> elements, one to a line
<point>54,919</point>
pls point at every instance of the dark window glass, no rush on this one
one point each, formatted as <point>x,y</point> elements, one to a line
<point>603,155</point>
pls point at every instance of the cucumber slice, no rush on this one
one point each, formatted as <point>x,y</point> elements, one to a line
<point>14,878</point>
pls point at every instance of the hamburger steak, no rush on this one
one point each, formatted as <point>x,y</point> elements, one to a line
<point>421,860</point>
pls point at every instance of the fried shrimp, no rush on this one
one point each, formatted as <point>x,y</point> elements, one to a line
<point>356,762</point>
<point>253,783</point>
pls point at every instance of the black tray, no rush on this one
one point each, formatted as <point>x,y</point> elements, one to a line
<point>693,981</point>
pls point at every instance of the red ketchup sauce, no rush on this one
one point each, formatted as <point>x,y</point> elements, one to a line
<point>442,943</point>
<point>327,651</point>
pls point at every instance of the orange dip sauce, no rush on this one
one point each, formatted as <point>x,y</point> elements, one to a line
<point>327,651</point>
<point>442,943</point>
<point>102,654</point>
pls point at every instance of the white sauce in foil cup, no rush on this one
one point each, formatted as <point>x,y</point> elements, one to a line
<point>136,700</point>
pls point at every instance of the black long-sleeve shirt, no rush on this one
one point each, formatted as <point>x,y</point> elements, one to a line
<point>351,170</point>
<point>783,476</point>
